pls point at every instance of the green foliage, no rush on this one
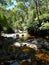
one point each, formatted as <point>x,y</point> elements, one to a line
<point>20,5</point>
<point>45,26</point>
<point>40,27</point>
<point>3,21</point>
<point>44,17</point>
<point>6,19</point>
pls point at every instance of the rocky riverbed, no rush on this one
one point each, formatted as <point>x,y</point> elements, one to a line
<point>8,46</point>
<point>33,43</point>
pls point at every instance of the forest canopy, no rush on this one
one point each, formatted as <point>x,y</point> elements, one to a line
<point>31,15</point>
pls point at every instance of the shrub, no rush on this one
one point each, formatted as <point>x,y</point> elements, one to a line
<point>32,28</point>
<point>45,28</point>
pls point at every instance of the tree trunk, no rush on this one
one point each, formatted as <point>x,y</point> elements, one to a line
<point>37,8</point>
